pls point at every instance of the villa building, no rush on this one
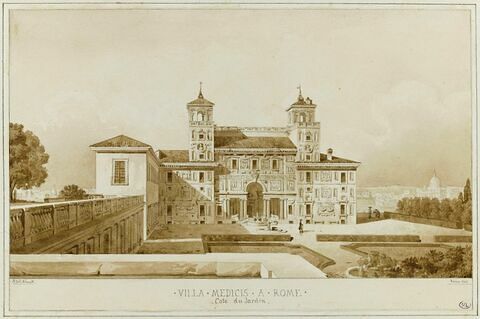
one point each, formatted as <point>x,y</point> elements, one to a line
<point>232,173</point>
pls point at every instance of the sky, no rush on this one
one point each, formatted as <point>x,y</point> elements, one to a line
<point>393,87</point>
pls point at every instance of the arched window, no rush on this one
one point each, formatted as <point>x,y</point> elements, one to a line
<point>308,136</point>
<point>303,118</point>
<point>200,116</point>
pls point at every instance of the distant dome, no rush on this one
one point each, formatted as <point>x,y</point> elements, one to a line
<point>434,182</point>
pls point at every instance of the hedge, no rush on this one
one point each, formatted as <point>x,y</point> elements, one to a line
<point>453,238</point>
<point>368,238</point>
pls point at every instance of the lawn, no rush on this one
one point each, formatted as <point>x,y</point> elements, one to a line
<point>177,231</point>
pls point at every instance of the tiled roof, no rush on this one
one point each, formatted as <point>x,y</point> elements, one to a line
<point>173,156</point>
<point>323,159</point>
<point>257,142</point>
<point>235,138</point>
<point>120,141</point>
<point>201,101</point>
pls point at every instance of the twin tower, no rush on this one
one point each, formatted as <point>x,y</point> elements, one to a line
<point>302,129</point>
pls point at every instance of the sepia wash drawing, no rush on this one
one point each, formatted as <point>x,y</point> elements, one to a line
<point>240,202</point>
<point>365,171</point>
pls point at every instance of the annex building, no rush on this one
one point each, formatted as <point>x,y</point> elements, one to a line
<point>232,173</point>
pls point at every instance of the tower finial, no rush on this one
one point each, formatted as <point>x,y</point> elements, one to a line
<point>299,88</point>
<point>200,95</point>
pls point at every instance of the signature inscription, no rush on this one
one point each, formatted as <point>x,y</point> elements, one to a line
<point>22,281</point>
<point>465,305</point>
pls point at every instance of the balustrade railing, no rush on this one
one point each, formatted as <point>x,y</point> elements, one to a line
<point>32,223</point>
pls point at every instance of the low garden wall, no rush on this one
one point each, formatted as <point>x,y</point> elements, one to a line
<point>368,238</point>
<point>427,221</point>
<point>247,237</point>
<point>208,269</point>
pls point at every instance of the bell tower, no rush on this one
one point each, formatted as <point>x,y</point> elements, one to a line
<point>304,131</point>
<point>201,127</point>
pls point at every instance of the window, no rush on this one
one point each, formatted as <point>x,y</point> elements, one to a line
<point>201,136</point>
<point>202,177</point>
<point>201,156</point>
<point>169,177</point>
<point>219,210</point>
<point>120,172</point>
<point>202,210</point>
<point>308,177</point>
<point>335,193</point>
<point>254,164</point>
<point>309,209</point>
<point>308,137</point>
<point>343,177</point>
<point>290,210</point>
<point>274,164</point>
<point>308,157</point>
<point>234,164</point>
<point>303,118</point>
<point>352,176</point>
<point>169,210</point>
<point>352,192</point>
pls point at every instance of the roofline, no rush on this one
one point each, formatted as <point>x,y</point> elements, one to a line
<point>189,164</point>
<point>259,150</point>
<point>312,106</point>
<point>119,135</point>
<point>327,165</point>
<point>119,149</point>
<point>126,149</point>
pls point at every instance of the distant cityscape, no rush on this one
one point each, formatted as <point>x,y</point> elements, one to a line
<point>385,198</point>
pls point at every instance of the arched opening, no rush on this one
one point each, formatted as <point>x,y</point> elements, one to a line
<point>254,200</point>
<point>200,116</point>
<point>303,118</point>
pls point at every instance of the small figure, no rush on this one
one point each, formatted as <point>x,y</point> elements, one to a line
<point>300,227</point>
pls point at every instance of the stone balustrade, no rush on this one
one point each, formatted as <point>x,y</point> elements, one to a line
<point>33,224</point>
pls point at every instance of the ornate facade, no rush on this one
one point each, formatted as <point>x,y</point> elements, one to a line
<point>232,173</point>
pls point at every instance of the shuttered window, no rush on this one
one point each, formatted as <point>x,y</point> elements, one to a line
<point>120,176</point>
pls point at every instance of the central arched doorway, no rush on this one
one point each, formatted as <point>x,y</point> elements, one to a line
<point>254,200</point>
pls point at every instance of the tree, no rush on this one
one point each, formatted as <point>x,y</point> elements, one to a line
<point>445,209</point>
<point>458,209</point>
<point>27,159</point>
<point>467,213</point>
<point>73,192</point>
<point>424,209</point>
<point>467,192</point>
<point>435,208</point>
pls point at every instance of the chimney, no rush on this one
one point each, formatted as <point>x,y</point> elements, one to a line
<point>329,154</point>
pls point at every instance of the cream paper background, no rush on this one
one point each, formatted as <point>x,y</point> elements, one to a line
<point>115,297</point>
